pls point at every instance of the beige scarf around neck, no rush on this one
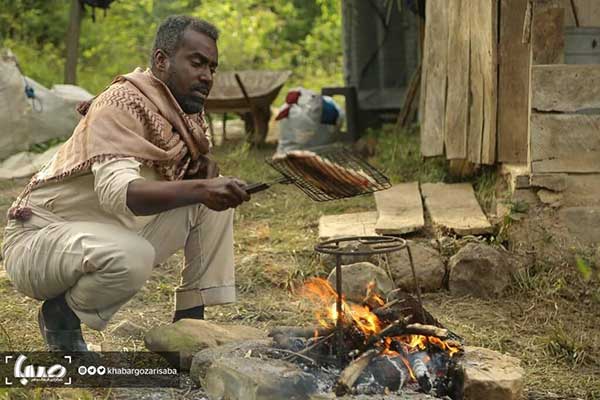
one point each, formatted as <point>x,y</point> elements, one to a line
<point>136,116</point>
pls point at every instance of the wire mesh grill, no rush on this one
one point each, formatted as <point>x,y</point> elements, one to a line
<point>322,186</point>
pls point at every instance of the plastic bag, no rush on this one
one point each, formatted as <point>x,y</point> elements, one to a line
<point>31,113</point>
<point>308,120</point>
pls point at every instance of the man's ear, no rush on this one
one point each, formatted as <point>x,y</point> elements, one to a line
<point>161,60</point>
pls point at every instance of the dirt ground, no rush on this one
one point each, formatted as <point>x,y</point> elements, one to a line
<point>549,319</point>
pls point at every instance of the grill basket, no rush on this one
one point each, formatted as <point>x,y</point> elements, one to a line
<point>341,157</point>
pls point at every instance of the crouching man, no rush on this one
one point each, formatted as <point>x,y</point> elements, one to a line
<point>130,187</point>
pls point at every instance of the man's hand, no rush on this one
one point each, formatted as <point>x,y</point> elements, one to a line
<point>153,197</point>
<point>222,193</point>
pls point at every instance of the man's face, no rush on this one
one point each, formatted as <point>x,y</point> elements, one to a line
<point>190,70</point>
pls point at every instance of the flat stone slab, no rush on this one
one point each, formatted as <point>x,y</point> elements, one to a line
<point>356,224</point>
<point>205,358</point>
<point>238,378</point>
<point>454,207</point>
<point>399,209</point>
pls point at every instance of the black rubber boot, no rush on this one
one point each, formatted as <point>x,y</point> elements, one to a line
<point>60,327</point>
<point>190,313</point>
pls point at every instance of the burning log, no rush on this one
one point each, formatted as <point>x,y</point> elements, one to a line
<point>403,305</point>
<point>421,373</point>
<point>399,327</point>
<point>300,332</point>
<point>426,330</point>
<point>406,305</point>
<point>390,372</point>
<point>396,328</point>
<point>352,372</point>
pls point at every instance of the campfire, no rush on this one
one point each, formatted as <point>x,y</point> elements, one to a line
<point>377,346</point>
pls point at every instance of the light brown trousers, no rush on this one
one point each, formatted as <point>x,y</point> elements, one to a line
<point>101,266</point>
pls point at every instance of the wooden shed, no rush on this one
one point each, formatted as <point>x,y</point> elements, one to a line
<point>496,89</point>
<point>381,53</point>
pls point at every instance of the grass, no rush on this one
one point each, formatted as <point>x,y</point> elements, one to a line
<point>550,318</point>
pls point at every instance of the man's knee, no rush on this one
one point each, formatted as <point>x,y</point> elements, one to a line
<point>132,264</point>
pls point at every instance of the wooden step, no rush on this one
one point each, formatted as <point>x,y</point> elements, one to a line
<point>399,209</point>
<point>356,224</point>
<point>455,208</point>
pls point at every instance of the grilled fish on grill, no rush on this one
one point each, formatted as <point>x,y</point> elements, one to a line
<point>329,177</point>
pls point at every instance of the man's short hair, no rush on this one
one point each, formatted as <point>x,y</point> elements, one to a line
<point>170,33</point>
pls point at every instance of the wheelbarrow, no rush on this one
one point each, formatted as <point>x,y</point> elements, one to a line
<point>248,93</point>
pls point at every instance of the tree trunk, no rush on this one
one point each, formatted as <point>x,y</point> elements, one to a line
<point>72,42</point>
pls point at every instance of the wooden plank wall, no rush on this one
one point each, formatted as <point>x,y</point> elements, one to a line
<point>457,108</point>
<point>563,140</point>
<point>477,68</point>
<point>513,83</point>
<point>531,33</point>
<point>484,82</point>
<point>588,12</point>
<point>460,80</point>
<point>435,63</point>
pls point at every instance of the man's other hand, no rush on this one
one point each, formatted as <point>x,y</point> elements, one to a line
<point>222,193</point>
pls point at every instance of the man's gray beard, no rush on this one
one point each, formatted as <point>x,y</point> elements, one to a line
<point>189,104</point>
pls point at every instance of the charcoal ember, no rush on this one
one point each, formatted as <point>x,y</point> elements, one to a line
<point>439,363</point>
<point>384,373</point>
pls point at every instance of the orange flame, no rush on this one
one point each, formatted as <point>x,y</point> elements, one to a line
<point>320,292</point>
<point>324,297</point>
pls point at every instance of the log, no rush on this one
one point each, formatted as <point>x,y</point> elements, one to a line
<point>422,374</point>
<point>425,330</point>
<point>407,305</point>
<point>352,372</point>
<point>390,371</point>
<point>399,328</point>
<point>300,331</point>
